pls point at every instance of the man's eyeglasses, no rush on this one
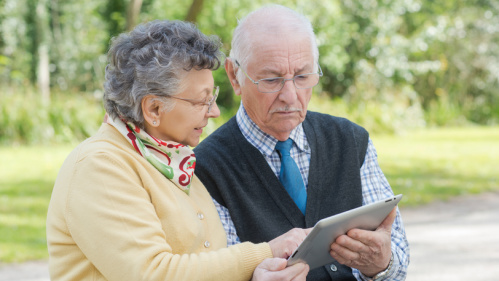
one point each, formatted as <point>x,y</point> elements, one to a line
<point>275,84</point>
<point>209,103</point>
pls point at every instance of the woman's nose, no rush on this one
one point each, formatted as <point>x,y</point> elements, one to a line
<point>214,112</point>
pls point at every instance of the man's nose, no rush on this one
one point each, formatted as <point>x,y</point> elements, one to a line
<point>288,92</point>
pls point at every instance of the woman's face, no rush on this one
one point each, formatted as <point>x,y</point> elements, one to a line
<point>185,122</point>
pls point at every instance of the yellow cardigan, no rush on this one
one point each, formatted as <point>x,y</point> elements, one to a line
<point>113,216</point>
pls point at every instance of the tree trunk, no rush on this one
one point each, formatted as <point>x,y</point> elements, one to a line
<point>43,76</point>
<point>56,24</point>
<point>133,14</point>
<point>43,31</point>
<point>194,10</point>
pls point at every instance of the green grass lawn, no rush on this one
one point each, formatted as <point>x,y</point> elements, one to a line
<point>27,177</point>
<point>436,164</point>
<point>424,166</point>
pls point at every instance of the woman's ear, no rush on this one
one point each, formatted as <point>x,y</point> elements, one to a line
<point>151,110</point>
<point>231,73</point>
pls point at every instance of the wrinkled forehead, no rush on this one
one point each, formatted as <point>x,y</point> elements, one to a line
<point>284,52</point>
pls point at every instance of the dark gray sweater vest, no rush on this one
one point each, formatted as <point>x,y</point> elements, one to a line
<point>239,178</point>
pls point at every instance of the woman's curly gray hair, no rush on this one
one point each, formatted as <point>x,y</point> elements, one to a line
<point>153,59</point>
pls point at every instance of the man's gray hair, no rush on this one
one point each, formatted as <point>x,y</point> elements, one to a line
<point>153,59</point>
<point>275,16</point>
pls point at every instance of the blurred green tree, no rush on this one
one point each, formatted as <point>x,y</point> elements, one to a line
<point>397,63</point>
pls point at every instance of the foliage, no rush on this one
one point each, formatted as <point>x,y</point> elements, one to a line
<point>393,63</point>
<point>463,40</point>
<point>73,34</point>
<point>25,118</point>
<point>373,116</point>
<point>424,165</point>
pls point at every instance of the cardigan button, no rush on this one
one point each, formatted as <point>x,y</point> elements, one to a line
<point>333,267</point>
<point>206,244</point>
<point>200,216</point>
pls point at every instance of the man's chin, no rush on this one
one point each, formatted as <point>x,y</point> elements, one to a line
<point>292,119</point>
<point>283,127</point>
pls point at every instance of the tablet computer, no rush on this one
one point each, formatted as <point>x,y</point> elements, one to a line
<point>314,250</point>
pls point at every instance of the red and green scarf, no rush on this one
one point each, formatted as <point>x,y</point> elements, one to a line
<point>174,160</point>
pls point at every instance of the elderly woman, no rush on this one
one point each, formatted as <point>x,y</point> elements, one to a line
<point>126,204</point>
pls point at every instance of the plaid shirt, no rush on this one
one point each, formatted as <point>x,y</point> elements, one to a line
<point>374,187</point>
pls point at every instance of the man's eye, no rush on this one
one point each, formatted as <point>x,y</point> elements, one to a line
<point>302,77</point>
<point>271,81</point>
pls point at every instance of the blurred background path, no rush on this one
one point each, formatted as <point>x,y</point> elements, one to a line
<point>29,271</point>
<point>455,240</point>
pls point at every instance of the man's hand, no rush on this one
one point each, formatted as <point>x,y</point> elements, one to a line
<point>275,269</point>
<point>284,245</point>
<point>367,251</point>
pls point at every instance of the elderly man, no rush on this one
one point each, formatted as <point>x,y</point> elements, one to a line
<point>249,163</point>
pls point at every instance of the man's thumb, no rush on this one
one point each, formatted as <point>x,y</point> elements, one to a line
<point>386,225</point>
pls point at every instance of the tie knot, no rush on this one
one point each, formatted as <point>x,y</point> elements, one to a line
<point>284,146</point>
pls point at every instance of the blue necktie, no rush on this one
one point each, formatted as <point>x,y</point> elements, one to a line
<point>290,175</point>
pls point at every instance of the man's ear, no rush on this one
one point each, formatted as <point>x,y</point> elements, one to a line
<point>151,111</point>
<point>231,73</point>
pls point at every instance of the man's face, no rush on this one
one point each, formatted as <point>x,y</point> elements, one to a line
<point>278,113</point>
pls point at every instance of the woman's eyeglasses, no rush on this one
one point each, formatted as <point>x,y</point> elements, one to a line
<point>209,103</point>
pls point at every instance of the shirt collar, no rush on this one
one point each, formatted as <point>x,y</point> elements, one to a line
<point>264,142</point>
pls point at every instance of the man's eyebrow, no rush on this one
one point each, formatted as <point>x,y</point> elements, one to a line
<point>276,73</point>
<point>270,71</point>
<point>306,66</point>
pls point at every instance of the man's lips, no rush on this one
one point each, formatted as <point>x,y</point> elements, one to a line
<point>286,110</point>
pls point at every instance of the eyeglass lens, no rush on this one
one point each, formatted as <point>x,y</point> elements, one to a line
<point>304,81</point>
<point>214,99</point>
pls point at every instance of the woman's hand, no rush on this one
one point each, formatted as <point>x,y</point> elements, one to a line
<point>275,269</point>
<point>284,245</point>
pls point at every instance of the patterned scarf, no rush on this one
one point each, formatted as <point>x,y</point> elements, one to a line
<point>174,160</point>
